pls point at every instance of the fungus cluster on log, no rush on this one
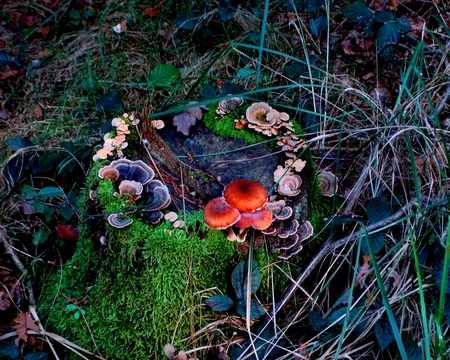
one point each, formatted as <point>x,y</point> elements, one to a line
<point>242,206</point>
<point>136,182</point>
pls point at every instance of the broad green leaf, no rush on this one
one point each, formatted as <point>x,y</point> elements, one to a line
<point>377,240</point>
<point>8,347</point>
<point>318,24</point>
<point>49,192</point>
<point>358,12</point>
<point>230,89</point>
<point>6,59</point>
<point>208,91</point>
<point>389,34</point>
<point>48,162</point>
<point>189,20</point>
<point>384,16</point>
<point>71,307</point>
<point>40,208</point>
<point>163,75</point>
<point>318,323</point>
<point>36,356</point>
<point>412,349</point>
<point>48,213</point>
<point>74,14</point>
<point>66,212</point>
<point>239,279</point>
<point>40,237</point>
<point>28,191</point>
<point>17,143</point>
<point>244,72</point>
<point>383,332</point>
<point>256,309</point>
<point>219,302</point>
<point>109,102</point>
<point>77,315</point>
<point>377,210</point>
<point>227,9</point>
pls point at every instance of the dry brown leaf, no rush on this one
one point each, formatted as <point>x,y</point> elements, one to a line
<point>4,301</point>
<point>187,118</point>
<point>151,11</point>
<point>22,323</point>
<point>364,268</point>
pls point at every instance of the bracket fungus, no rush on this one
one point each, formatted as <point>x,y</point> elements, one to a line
<point>135,170</point>
<point>118,221</point>
<point>328,183</point>
<point>289,185</point>
<point>131,190</point>
<point>228,105</point>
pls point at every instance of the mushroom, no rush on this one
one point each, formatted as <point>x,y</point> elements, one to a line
<point>288,243</point>
<point>109,172</point>
<point>286,254</point>
<point>305,231</point>
<point>135,170</point>
<point>118,221</point>
<point>291,145</point>
<point>158,124</point>
<point>171,216</point>
<point>228,105</point>
<point>328,183</point>
<point>219,214</point>
<point>158,196</point>
<point>289,185</point>
<point>290,230</point>
<point>245,195</point>
<point>102,154</point>
<point>298,165</point>
<point>257,115</point>
<point>130,189</point>
<point>259,219</point>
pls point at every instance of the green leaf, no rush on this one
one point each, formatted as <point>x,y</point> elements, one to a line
<point>378,210</point>
<point>377,240</point>
<point>6,59</point>
<point>189,20</point>
<point>48,162</point>
<point>28,191</point>
<point>239,279</point>
<point>71,307</point>
<point>36,356</point>
<point>40,237</point>
<point>318,24</point>
<point>17,143</point>
<point>256,309</point>
<point>318,323</point>
<point>383,332</point>
<point>357,11</point>
<point>244,72</point>
<point>412,349</point>
<point>48,213</point>
<point>74,14</point>
<point>389,34</point>
<point>219,302</point>
<point>230,89</point>
<point>77,315</point>
<point>109,102</point>
<point>208,91</point>
<point>49,192</point>
<point>163,75</point>
<point>226,9</point>
<point>40,208</point>
<point>438,271</point>
<point>384,16</point>
<point>8,347</point>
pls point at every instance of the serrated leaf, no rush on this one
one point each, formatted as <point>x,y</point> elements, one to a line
<point>163,75</point>
<point>187,118</point>
<point>40,237</point>
<point>6,59</point>
<point>109,102</point>
<point>389,34</point>
<point>219,302</point>
<point>17,143</point>
<point>412,349</point>
<point>384,16</point>
<point>377,240</point>
<point>66,212</point>
<point>28,191</point>
<point>208,91</point>
<point>358,12</point>
<point>48,213</point>
<point>318,323</point>
<point>49,192</point>
<point>256,309</point>
<point>239,279</point>
<point>383,332</point>
<point>377,210</point>
<point>39,207</point>
<point>48,162</point>
<point>318,24</point>
<point>227,9</point>
<point>230,89</point>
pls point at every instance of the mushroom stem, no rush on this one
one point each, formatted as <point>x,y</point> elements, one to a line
<point>242,234</point>
<point>231,234</point>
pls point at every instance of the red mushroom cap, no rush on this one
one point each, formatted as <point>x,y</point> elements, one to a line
<point>245,195</point>
<point>218,214</point>
<point>260,220</point>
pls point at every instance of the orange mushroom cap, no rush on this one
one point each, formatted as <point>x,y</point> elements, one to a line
<point>245,195</point>
<point>218,214</point>
<point>260,220</point>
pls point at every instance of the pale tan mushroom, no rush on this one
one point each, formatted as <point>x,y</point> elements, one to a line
<point>328,183</point>
<point>158,124</point>
<point>289,185</point>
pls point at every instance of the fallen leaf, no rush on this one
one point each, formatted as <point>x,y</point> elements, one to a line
<point>151,11</point>
<point>66,232</point>
<point>187,118</point>
<point>364,268</point>
<point>44,30</point>
<point>4,301</point>
<point>22,323</point>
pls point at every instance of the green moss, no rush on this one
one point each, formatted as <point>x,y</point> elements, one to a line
<point>145,290</point>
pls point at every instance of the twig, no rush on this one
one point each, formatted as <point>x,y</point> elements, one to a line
<point>331,246</point>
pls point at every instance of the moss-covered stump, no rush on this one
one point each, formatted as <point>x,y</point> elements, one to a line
<point>144,289</point>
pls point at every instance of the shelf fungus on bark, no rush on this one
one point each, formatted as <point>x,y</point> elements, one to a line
<point>228,105</point>
<point>289,185</point>
<point>328,183</point>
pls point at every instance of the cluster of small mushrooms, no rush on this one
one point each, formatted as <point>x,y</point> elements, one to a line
<point>136,187</point>
<point>283,231</point>
<point>114,141</point>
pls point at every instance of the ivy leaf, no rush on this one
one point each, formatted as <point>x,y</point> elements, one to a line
<point>220,302</point>
<point>256,309</point>
<point>49,192</point>
<point>109,102</point>
<point>357,11</point>
<point>163,75</point>
<point>384,333</point>
<point>318,24</point>
<point>187,118</point>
